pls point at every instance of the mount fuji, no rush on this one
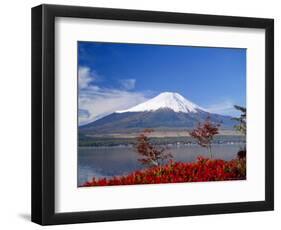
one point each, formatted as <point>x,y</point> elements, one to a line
<point>167,111</point>
<point>166,100</point>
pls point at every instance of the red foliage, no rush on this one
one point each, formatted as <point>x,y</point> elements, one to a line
<point>204,133</point>
<point>203,169</point>
<point>151,155</point>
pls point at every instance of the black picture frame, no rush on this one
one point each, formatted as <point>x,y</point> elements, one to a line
<point>43,114</point>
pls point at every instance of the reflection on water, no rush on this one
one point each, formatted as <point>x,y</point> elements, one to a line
<point>115,161</point>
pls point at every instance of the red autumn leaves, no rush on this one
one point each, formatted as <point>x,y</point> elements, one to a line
<point>204,134</point>
<point>203,169</point>
<point>150,154</point>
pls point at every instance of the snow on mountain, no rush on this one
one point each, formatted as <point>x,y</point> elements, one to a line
<point>166,100</point>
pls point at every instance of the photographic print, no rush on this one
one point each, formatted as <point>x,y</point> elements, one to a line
<point>153,114</point>
<point>149,103</point>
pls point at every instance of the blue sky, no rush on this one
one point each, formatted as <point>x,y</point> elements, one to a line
<point>118,76</point>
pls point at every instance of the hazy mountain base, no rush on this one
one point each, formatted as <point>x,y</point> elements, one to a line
<point>169,128</point>
<point>156,133</point>
<point>161,119</point>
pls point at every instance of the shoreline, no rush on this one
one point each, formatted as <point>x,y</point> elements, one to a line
<point>160,141</point>
<point>168,145</point>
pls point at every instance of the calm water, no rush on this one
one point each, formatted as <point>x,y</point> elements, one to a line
<point>114,161</point>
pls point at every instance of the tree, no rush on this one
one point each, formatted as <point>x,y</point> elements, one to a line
<point>151,155</point>
<point>204,134</point>
<point>241,126</point>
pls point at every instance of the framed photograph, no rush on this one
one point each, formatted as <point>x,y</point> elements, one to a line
<point>142,114</point>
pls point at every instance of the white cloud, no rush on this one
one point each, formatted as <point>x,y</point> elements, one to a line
<point>96,102</point>
<point>223,108</point>
<point>128,84</point>
<point>85,77</point>
<point>101,102</point>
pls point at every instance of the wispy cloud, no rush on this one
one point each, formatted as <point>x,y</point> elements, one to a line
<point>101,102</point>
<point>96,102</point>
<point>225,108</point>
<point>85,77</point>
<point>128,84</point>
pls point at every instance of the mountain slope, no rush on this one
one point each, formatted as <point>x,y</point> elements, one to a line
<point>165,111</point>
<point>160,119</point>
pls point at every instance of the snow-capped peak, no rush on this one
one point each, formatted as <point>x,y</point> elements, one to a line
<point>169,100</point>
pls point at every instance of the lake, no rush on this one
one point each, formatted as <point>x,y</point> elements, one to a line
<point>106,162</point>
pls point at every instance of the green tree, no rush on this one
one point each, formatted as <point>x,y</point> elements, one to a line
<point>242,125</point>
